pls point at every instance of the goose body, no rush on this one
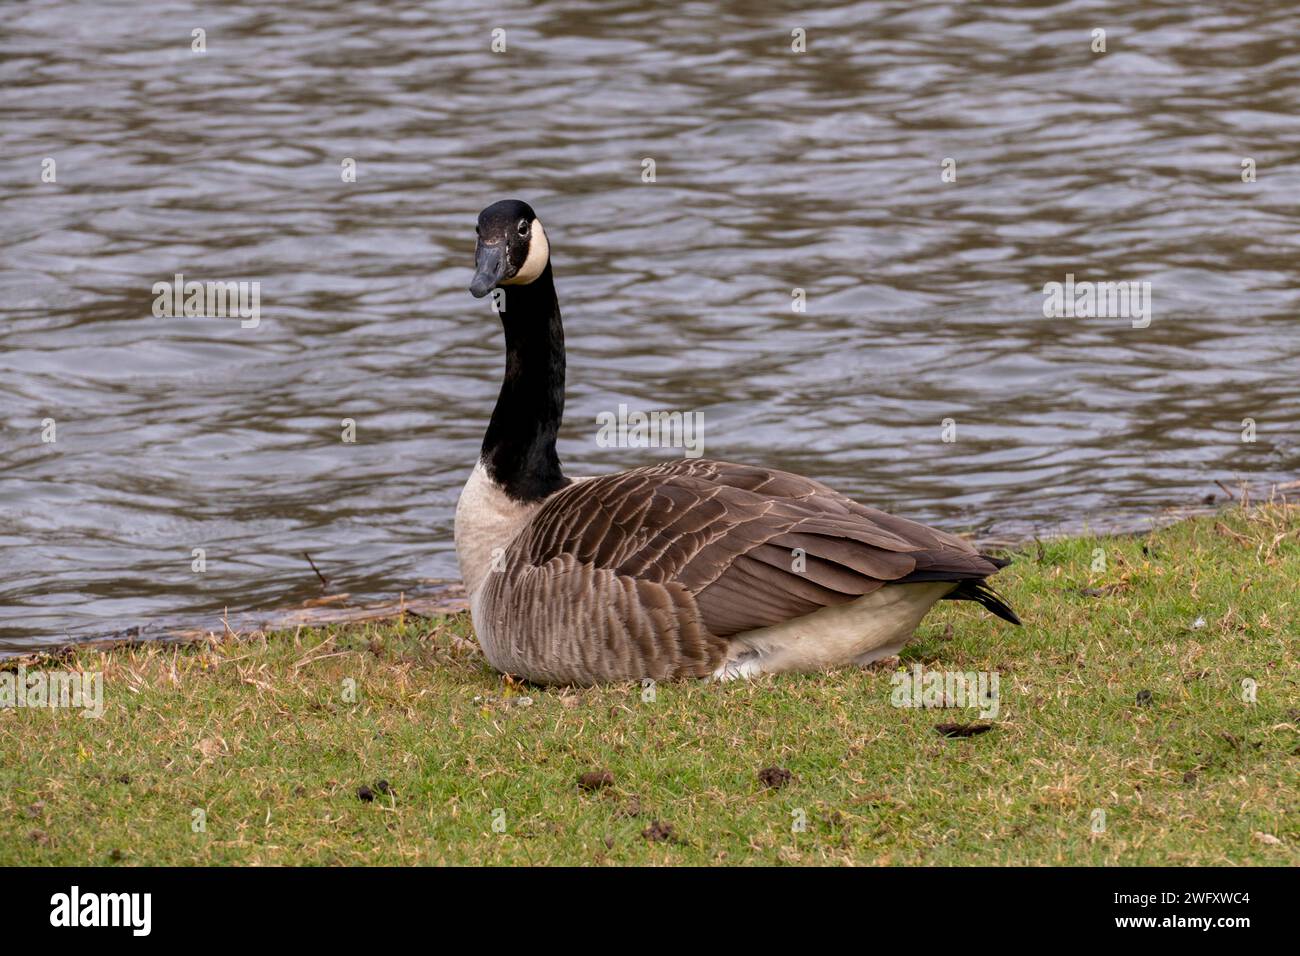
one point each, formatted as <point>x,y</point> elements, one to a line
<point>687,568</point>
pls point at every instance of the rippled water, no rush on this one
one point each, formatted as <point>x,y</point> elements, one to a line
<point>774,170</point>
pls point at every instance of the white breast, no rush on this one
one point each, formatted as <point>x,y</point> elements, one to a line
<point>487,520</point>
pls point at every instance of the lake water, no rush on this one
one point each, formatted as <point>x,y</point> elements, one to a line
<point>774,170</point>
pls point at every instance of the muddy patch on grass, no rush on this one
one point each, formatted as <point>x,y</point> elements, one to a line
<point>381,788</point>
<point>962,730</point>
<point>595,780</point>
<point>774,778</point>
<point>660,832</point>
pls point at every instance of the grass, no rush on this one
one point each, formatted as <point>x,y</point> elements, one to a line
<point>1121,696</point>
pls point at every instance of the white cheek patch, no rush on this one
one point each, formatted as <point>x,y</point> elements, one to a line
<point>539,253</point>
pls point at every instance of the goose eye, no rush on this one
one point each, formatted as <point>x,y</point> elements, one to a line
<point>523,227</point>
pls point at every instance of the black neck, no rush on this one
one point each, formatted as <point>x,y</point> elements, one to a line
<point>519,447</point>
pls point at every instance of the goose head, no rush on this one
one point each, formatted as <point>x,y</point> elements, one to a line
<point>512,247</point>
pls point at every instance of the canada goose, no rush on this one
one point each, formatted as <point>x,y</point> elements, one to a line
<point>685,568</point>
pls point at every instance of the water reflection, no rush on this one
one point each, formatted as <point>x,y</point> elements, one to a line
<point>774,171</point>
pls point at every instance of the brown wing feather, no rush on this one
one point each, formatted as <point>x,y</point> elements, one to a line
<point>566,622</point>
<point>722,538</point>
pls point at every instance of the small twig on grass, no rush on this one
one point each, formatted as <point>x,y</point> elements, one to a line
<point>1227,532</point>
<point>321,657</point>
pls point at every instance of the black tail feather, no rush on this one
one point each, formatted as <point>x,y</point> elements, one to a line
<point>982,594</point>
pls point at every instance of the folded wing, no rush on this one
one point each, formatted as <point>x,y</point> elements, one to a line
<point>752,546</point>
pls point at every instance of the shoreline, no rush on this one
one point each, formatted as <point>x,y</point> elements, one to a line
<point>441,597</point>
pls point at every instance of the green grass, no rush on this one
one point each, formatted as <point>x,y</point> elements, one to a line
<point>257,734</point>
